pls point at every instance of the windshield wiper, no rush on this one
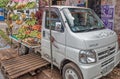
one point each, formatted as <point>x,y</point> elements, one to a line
<point>86,30</point>
<point>96,28</point>
<point>80,31</point>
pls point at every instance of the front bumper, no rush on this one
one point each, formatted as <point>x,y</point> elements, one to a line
<point>97,70</point>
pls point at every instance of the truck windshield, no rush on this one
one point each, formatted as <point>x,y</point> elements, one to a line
<point>81,20</point>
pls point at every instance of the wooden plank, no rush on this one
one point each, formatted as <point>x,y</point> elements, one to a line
<point>18,66</point>
<point>23,67</point>
<point>23,72</point>
<point>10,61</point>
<point>26,69</point>
<point>23,64</point>
<point>22,61</point>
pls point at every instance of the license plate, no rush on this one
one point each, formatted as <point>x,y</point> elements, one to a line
<point>106,69</point>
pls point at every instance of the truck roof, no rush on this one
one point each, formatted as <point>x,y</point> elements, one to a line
<point>60,7</point>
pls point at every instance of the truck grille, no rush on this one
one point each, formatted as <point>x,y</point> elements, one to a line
<point>107,65</point>
<point>107,62</point>
<point>109,51</point>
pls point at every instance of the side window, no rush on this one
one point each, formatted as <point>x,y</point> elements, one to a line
<point>54,20</point>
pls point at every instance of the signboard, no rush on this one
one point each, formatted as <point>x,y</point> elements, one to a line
<point>107,16</point>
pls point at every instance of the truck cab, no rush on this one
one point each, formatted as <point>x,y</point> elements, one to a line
<point>82,47</point>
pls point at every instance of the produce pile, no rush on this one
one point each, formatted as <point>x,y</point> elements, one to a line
<point>29,31</point>
<point>23,6</point>
<point>29,34</point>
<point>26,31</point>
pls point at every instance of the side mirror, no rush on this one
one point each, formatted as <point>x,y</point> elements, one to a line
<point>58,27</point>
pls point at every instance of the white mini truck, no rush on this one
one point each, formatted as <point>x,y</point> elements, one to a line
<point>82,47</point>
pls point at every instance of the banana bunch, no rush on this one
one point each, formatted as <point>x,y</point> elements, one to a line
<point>32,15</point>
<point>21,33</point>
<point>31,5</point>
<point>23,16</point>
<point>34,33</point>
<point>20,5</point>
<point>30,22</point>
<point>19,22</point>
<point>14,17</point>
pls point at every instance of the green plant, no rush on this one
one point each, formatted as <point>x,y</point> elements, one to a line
<point>4,36</point>
<point>3,3</point>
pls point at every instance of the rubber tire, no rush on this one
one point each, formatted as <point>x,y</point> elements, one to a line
<point>74,68</point>
<point>23,50</point>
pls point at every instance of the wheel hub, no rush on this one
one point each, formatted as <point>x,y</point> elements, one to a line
<point>71,74</point>
<point>70,77</point>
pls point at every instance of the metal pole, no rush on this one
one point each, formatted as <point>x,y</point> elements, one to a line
<point>50,39</point>
<point>86,3</point>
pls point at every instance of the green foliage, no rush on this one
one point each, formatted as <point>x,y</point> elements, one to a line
<point>34,33</point>
<point>3,3</point>
<point>30,22</point>
<point>4,36</point>
<point>31,5</point>
<point>15,17</point>
<point>21,33</point>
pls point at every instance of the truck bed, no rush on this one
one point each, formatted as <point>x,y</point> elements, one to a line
<point>15,67</point>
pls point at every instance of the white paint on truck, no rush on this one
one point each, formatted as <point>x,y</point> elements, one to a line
<point>90,51</point>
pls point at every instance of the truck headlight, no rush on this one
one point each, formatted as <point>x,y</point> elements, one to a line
<point>87,56</point>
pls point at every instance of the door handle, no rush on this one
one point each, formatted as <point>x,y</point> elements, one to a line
<point>43,33</point>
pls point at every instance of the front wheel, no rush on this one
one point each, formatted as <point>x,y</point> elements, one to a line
<point>71,71</point>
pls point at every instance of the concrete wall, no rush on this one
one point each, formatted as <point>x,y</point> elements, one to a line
<point>117,17</point>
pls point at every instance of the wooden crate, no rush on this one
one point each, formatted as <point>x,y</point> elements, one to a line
<point>16,67</point>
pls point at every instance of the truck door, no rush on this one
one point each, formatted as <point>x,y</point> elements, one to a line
<point>58,36</point>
